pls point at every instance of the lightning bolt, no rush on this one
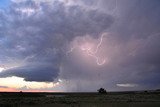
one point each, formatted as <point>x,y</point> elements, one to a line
<point>90,52</point>
<point>93,53</point>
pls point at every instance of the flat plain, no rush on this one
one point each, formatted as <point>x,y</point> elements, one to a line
<point>90,99</point>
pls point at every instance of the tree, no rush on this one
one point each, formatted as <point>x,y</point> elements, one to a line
<point>102,91</point>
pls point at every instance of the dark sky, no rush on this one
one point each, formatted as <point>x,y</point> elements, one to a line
<point>67,41</point>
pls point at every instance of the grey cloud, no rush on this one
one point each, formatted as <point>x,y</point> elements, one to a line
<point>41,38</point>
<point>39,72</point>
<point>132,47</point>
<point>43,31</point>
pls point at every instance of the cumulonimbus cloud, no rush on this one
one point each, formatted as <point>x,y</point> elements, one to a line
<point>35,36</point>
<point>42,30</point>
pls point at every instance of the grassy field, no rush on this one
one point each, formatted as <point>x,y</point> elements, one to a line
<point>111,99</point>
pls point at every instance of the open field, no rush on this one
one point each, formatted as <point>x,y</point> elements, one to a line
<point>111,99</point>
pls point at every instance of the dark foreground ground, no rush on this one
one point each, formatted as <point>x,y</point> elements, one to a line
<point>112,99</point>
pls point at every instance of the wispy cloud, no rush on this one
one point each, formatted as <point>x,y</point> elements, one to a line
<point>127,85</point>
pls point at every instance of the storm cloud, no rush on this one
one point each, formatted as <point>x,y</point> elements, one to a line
<point>131,47</point>
<point>36,35</point>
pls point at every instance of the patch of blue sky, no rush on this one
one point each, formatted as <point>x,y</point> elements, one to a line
<point>4,3</point>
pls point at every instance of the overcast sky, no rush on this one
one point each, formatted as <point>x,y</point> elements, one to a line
<point>79,45</point>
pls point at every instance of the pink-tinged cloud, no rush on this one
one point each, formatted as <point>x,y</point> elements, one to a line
<point>8,90</point>
<point>30,90</point>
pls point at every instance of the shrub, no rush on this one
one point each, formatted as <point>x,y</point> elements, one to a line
<point>102,91</point>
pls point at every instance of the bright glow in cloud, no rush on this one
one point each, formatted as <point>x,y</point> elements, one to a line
<point>89,51</point>
<point>90,48</point>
